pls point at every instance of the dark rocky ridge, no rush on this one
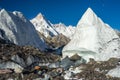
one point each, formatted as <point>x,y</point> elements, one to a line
<point>12,52</point>
<point>55,41</point>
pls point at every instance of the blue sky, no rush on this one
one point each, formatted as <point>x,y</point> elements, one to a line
<point>66,11</point>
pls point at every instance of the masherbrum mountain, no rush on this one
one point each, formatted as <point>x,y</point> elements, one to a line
<point>48,29</point>
<point>15,28</point>
<point>93,39</point>
<point>44,26</point>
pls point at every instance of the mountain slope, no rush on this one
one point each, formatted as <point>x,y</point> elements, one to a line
<point>93,39</point>
<point>44,26</point>
<point>16,28</point>
<point>68,31</point>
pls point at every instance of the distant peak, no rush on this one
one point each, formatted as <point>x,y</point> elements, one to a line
<point>89,10</point>
<point>61,23</point>
<point>89,17</point>
<point>3,10</point>
<point>88,13</point>
<point>39,16</point>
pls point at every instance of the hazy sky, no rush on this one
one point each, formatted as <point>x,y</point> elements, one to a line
<point>66,11</point>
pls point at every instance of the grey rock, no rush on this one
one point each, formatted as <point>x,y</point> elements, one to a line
<point>18,60</point>
<point>17,68</point>
<point>66,63</point>
<point>78,62</point>
<point>54,65</point>
<point>31,59</point>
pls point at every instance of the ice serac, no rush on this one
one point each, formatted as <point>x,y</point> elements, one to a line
<point>17,29</point>
<point>93,39</point>
<point>44,26</point>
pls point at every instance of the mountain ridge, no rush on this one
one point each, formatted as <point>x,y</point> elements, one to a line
<point>17,29</point>
<point>48,29</point>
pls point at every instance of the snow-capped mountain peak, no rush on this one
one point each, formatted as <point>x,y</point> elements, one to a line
<point>39,16</point>
<point>20,15</point>
<point>92,36</point>
<point>89,17</point>
<point>15,28</point>
<point>43,26</point>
